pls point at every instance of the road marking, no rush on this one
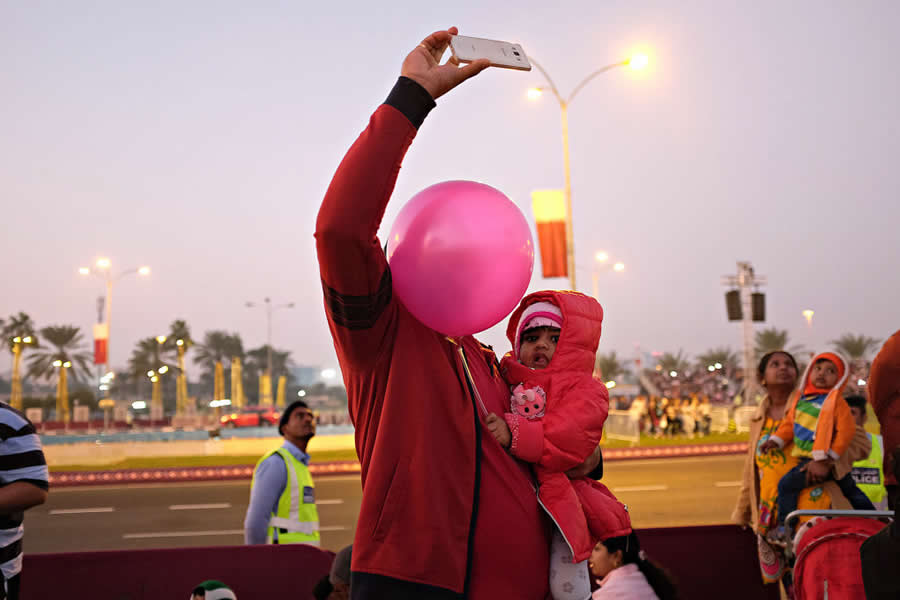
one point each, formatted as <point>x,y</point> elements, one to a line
<point>331,501</point>
<point>728,483</point>
<point>199,506</point>
<point>641,488</point>
<point>178,534</point>
<point>78,511</point>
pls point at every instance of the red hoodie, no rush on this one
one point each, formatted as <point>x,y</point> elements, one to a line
<point>571,426</point>
<point>443,504</point>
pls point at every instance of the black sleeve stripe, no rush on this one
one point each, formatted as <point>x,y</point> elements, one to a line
<point>7,432</point>
<point>33,458</point>
<point>358,312</point>
<point>7,553</point>
<point>411,99</point>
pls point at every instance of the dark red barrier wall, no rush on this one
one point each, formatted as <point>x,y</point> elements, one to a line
<point>716,561</point>
<point>253,572</point>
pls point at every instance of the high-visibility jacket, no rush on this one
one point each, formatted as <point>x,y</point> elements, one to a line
<point>868,473</point>
<point>296,520</point>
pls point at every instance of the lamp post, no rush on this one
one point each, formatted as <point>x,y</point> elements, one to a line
<point>270,308</point>
<point>638,61</point>
<point>62,391</point>
<point>601,259</point>
<point>103,269</point>
<point>15,395</point>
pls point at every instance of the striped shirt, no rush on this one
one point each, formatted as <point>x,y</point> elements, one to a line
<point>806,418</point>
<point>21,459</point>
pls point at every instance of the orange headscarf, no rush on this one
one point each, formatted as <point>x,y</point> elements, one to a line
<point>834,359</point>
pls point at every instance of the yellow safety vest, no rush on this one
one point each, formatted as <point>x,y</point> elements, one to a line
<point>297,520</point>
<point>868,473</point>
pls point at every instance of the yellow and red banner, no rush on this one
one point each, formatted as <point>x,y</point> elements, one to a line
<point>101,337</point>
<point>549,207</point>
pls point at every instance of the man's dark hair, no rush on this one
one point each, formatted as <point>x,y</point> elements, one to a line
<point>856,401</point>
<point>199,591</point>
<point>286,415</point>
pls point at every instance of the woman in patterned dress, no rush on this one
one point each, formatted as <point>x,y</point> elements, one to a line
<point>756,504</point>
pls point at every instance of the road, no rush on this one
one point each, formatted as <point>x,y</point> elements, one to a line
<point>659,493</point>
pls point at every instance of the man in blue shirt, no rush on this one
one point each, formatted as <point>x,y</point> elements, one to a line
<point>282,496</point>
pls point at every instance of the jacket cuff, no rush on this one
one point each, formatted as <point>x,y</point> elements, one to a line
<point>777,440</point>
<point>411,99</point>
<point>527,438</point>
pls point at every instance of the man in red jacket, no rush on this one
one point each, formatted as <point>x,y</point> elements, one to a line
<point>446,512</point>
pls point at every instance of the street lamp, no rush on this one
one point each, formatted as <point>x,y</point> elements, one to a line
<point>15,394</point>
<point>270,308</point>
<point>103,270</point>
<point>601,259</point>
<point>638,61</point>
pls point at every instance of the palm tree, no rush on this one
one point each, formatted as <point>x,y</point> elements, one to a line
<point>674,362</point>
<point>258,362</point>
<point>855,347</point>
<point>148,355</point>
<point>218,348</point>
<point>772,339</point>
<point>63,343</point>
<point>179,342</point>
<point>63,353</point>
<point>19,325</point>
<point>609,367</point>
<point>20,334</point>
<point>723,356</point>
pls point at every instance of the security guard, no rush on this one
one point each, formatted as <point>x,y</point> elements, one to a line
<point>282,506</point>
<point>868,473</point>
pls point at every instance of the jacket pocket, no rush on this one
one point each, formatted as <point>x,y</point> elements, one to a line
<point>394,500</point>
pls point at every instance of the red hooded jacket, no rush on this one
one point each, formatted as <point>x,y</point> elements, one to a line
<point>443,504</point>
<point>884,394</point>
<point>572,424</point>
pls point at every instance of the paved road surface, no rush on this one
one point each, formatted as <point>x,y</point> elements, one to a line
<point>659,493</point>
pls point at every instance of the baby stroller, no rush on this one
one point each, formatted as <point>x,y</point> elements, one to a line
<point>825,551</point>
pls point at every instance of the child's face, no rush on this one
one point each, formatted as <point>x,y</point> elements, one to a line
<point>537,346</point>
<point>824,374</point>
<point>859,415</point>
<point>602,562</point>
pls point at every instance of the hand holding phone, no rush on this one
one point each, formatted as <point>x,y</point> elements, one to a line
<point>501,54</point>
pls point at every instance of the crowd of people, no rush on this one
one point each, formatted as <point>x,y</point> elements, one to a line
<point>691,417</point>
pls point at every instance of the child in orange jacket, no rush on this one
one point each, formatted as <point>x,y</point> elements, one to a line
<point>821,426</point>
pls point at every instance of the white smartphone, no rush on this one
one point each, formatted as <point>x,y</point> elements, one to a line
<point>501,54</point>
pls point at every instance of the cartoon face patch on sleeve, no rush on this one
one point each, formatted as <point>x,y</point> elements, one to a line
<point>528,402</point>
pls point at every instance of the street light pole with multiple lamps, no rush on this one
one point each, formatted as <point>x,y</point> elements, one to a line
<point>638,61</point>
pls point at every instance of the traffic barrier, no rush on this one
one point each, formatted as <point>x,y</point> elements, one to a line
<point>714,561</point>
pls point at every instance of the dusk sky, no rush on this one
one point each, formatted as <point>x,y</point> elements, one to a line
<point>199,137</point>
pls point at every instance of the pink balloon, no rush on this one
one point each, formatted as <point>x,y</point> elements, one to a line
<point>461,256</point>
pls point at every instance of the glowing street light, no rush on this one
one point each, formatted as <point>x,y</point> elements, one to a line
<point>601,257</point>
<point>161,339</point>
<point>637,61</point>
<point>808,315</point>
<point>619,267</point>
<point>673,373</point>
<point>301,393</point>
<point>710,368</point>
<point>103,269</point>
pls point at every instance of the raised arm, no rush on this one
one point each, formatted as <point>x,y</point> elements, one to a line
<point>355,278</point>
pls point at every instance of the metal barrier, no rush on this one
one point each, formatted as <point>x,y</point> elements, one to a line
<point>742,417</point>
<point>622,425</point>
<point>719,419</point>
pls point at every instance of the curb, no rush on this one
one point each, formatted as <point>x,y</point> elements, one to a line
<point>190,474</point>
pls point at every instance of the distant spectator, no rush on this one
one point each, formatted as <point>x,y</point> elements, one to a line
<point>212,589</point>
<point>868,472</point>
<point>704,416</point>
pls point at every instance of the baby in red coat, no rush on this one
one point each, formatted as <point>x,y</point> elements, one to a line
<point>555,421</point>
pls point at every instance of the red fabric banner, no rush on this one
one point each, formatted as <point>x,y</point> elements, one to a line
<point>552,241</point>
<point>101,336</point>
